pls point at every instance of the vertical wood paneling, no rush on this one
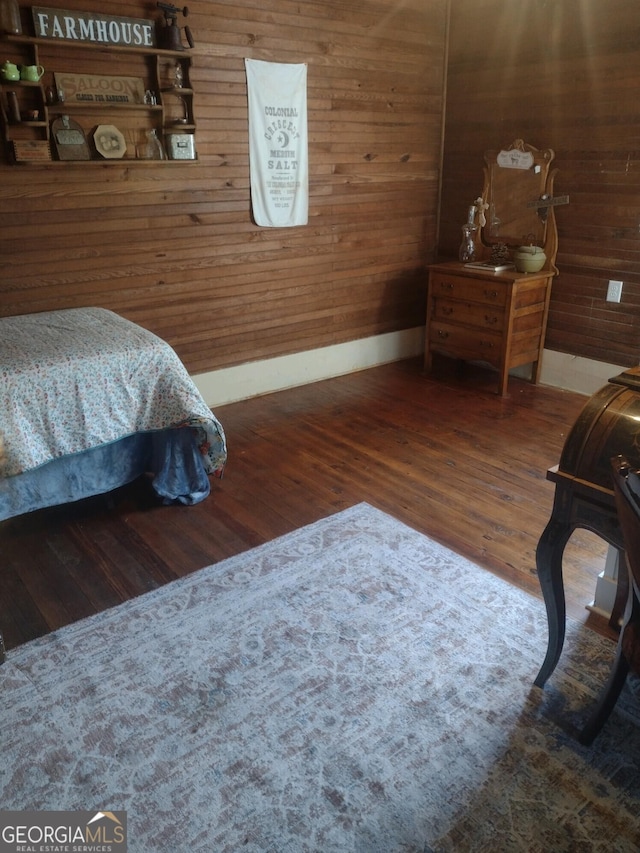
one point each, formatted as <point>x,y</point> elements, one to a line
<point>564,76</point>
<point>175,248</point>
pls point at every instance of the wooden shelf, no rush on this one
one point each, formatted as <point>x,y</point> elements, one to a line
<point>153,66</point>
<point>97,46</point>
<point>125,161</point>
<point>26,84</point>
<point>62,107</point>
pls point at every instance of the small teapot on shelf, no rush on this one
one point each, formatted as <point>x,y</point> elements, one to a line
<point>9,71</point>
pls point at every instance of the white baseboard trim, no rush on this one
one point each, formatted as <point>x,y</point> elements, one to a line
<point>243,381</point>
<point>231,384</point>
<point>575,373</point>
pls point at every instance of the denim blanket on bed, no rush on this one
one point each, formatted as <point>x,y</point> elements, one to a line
<point>76,379</point>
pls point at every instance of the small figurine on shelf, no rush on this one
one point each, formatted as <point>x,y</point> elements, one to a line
<point>480,206</point>
<point>178,76</point>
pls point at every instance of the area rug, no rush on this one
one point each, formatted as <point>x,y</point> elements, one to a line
<point>352,687</point>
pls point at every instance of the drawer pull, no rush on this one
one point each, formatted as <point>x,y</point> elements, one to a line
<point>447,311</point>
<point>490,320</point>
<point>491,294</point>
<point>446,285</point>
<point>486,344</point>
<point>442,333</point>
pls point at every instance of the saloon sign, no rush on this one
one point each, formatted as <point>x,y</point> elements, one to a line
<point>93,27</point>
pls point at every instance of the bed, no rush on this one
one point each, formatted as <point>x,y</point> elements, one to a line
<point>90,401</point>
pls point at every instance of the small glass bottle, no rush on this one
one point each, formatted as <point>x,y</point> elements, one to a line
<point>14,108</point>
<point>10,17</point>
<point>467,251</point>
<point>178,76</point>
<point>154,150</point>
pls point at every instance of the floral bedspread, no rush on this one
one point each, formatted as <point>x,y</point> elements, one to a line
<point>75,379</point>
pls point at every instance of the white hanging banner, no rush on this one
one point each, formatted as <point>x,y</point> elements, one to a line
<point>278,143</point>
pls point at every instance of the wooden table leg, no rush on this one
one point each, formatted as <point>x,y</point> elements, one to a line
<point>549,564</point>
<point>622,593</point>
<point>503,382</point>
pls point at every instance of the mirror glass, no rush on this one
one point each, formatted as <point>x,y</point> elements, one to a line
<point>515,178</point>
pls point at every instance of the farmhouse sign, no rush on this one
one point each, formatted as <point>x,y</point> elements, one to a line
<point>93,27</point>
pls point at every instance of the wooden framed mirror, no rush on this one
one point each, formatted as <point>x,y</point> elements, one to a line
<point>517,180</point>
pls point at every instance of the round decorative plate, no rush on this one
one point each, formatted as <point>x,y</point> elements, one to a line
<point>109,141</point>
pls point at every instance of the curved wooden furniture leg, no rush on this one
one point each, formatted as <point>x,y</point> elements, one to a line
<point>549,564</point>
<point>608,699</point>
<point>622,593</point>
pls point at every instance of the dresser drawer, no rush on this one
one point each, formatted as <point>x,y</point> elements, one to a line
<point>466,343</point>
<point>468,289</point>
<point>472,314</point>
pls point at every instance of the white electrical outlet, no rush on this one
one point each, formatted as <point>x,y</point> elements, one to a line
<point>614,291</point>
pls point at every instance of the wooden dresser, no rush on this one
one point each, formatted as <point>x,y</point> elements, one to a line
<point>498,318</point>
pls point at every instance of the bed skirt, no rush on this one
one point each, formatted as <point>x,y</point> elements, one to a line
<point>171,457</point>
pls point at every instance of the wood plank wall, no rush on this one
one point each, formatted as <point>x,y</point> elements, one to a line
<point>561,75</point>
<point>176,250</point>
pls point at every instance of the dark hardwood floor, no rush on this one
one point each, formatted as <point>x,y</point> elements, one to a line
<point>442,453</point>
